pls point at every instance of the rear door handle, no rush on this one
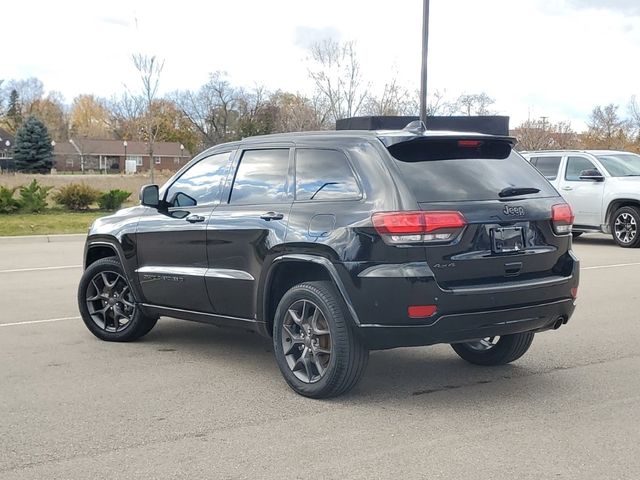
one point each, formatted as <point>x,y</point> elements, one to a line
<point>195,219</point>
<point>272,216</point>
<point>567,188</point>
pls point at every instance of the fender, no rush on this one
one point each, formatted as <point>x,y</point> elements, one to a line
<point>319,260</point>
<point>116,246</point>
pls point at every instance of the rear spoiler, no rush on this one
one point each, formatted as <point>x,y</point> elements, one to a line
<point>412,148</point>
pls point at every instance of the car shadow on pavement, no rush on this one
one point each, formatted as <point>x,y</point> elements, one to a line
<point>414,374</point>
<point>595,239</point>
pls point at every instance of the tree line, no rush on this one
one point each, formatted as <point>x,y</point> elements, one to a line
<point>219,111</point>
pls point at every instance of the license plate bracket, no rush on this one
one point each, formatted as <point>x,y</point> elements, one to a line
<point>507,240</point>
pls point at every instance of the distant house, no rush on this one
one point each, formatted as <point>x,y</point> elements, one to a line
<point>116,156</point>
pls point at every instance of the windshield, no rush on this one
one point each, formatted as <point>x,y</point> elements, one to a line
<point>621,164</point>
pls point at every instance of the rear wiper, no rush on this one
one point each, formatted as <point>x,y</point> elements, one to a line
<point>515,191</point>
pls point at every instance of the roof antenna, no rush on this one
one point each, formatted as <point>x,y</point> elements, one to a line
<point>417,126</point>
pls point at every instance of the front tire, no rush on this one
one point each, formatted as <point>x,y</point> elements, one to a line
<point>107,306</point>
<point>495,350</point>
<point>624,227</point>
<point>315,346</point>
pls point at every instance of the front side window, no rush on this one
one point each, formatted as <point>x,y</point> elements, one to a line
<point>201,184</point>
<point>324,175</point>
<point>261,177</point>
<point>548,166</point>
<point>576,165</point>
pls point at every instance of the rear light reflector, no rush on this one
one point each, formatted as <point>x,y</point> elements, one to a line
<point>418,227</point>
<point>562,218</point>
<point>421,311</point>
<point>574,292</point>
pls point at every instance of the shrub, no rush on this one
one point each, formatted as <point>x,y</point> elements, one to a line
<point>76,196</point>
<point>8,204</point>
<point>113,199</point>
<point>33,197</point>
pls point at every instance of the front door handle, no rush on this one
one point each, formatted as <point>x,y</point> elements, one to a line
<point>272,216</point>
<point>567,188</point>
<point>195,218</point>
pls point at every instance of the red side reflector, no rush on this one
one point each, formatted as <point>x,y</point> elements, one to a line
<point>574,292</point>
<point>469,143</point>
<point>421,311</point>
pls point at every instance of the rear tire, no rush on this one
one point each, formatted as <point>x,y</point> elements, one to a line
<point>107,306</point>
<point>485,352</point>
<point>624,227</point>
<point>315,345</point>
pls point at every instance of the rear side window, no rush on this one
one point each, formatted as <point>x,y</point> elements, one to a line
<point>548,166</point>
<point>324,175</point>
<point>469,173</point>
<point>575,165</point>
<point>261,177</point>
<point>201,184</point>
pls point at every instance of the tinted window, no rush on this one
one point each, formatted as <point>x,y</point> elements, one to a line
<point>324,175</point>
<point>261,177</point>
<point>575,165</point>
<point>548,166</point>
<point>201,184</point>
<point>464,179</point>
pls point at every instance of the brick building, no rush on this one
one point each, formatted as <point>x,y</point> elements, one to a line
<point>116,156</point>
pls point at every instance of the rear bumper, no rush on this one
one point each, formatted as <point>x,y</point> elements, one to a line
<point>468,326</point>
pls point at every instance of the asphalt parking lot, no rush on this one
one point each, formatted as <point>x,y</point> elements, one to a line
<point>194,401</point>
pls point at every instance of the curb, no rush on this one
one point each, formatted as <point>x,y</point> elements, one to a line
<point>21,239</point>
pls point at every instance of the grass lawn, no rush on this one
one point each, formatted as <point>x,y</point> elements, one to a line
<point>50,222</point>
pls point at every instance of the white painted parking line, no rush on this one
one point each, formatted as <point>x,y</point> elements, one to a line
<point>610,266</point>
<point>38,269</point>
<point>30,322</point>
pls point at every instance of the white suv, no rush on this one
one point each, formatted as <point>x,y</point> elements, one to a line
<point>602,187</point>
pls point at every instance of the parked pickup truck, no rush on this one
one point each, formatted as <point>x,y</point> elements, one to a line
<point>602,187</point>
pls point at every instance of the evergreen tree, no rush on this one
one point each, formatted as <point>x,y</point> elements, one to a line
<point>14,112</point>
<point>33,151</point>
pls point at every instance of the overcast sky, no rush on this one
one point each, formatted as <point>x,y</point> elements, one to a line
<point>554,58</point>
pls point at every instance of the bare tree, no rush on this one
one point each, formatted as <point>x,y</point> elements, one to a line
<point>337,76</point>
<point>212,109</point>
<point>394,100</point>
<point>474,104</point>
<point>634,118</point>
<point>149,69</point>
<point>542,135</point>
<point>606,128</point>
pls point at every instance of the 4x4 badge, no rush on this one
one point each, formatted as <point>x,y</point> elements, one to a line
<point>518,211</point>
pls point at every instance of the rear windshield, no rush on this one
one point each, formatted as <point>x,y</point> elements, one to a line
<point>469,174</point>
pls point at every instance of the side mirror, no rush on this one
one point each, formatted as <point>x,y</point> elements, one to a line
<point>150,196</point>
<point>592,174</point>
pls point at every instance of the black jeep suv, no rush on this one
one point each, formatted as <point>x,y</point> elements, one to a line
<point>337,243</point>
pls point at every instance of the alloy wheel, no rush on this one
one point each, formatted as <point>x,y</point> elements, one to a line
<point>110,301</point>
<point>625,227</point>
<point>306,341</point>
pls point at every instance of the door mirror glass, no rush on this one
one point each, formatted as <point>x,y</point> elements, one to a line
<point>149,196</point>
<point>591,174</point>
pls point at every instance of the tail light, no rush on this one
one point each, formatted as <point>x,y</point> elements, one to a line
<point>562,218</point>
<point>397,228</point>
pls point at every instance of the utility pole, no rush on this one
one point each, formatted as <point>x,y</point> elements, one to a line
<point>425,47</point>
